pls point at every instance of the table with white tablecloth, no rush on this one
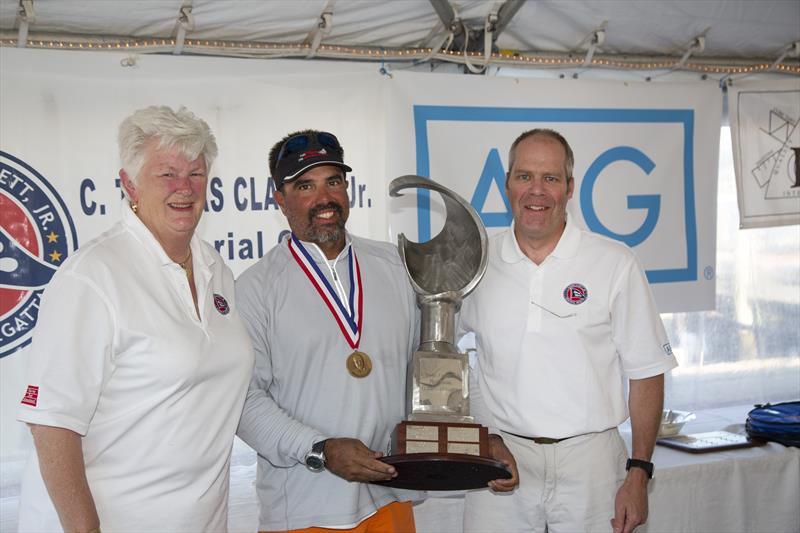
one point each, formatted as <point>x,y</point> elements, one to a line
<point>751,489</point>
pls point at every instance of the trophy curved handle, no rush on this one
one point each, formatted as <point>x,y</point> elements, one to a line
<point>453,261</point>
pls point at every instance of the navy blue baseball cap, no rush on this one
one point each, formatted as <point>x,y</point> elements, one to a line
<point>304,151</point>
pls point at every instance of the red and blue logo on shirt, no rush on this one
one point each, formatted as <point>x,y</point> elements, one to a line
<point>575,293</point>
<point>221,304</point>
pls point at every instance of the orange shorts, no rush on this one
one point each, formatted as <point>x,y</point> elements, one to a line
<point>397,517</point>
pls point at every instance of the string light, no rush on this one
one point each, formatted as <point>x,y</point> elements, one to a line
<point>505,58</point>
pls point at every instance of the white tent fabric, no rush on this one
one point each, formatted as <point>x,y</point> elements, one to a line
<point>728,30</point>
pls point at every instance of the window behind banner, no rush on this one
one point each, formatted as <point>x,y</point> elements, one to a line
<point>748,349</point>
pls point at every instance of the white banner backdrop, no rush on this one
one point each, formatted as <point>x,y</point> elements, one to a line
<point>59,162</point>
<point>645,163</point>
<point>765,131</point>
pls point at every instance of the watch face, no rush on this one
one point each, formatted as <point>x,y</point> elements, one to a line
<point>314,462</point>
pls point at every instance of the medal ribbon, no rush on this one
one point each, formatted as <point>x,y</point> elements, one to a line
<point>349,319</point>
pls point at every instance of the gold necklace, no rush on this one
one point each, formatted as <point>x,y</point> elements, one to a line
<point>186,264</point>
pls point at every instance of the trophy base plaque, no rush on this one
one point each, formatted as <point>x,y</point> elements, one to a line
<point>442,456</point>
<point>443,471</point>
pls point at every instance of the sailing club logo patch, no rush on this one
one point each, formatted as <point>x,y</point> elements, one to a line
<point>221,304</point>
<point>36,236</point>
<point>575,293</point>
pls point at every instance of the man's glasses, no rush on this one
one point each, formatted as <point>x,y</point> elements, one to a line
<point>301,141</point>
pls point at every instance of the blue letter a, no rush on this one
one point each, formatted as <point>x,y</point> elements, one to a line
<point>493,173</point>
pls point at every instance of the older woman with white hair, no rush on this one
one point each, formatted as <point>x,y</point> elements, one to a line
<point>139,363</point>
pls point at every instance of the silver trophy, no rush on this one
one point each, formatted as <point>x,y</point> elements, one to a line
<point>440,447</point>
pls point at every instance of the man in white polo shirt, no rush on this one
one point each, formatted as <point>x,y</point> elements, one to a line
<point>561,319</point>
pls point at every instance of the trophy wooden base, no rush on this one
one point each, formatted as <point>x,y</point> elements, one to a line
<point>443,471</point>
<point>442,456</point>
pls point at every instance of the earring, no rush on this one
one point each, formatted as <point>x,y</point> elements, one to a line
<point>134,208</point>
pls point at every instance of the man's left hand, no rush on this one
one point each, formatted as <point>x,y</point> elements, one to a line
<point>630,505</point>
<point>500,452</point>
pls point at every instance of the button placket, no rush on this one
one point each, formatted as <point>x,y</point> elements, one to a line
<point>185,292</point>
<point>205,299</point>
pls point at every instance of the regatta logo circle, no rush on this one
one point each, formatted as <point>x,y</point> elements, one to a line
<point>36,236</point>
<point>575,293</point>
<point>221,304</point>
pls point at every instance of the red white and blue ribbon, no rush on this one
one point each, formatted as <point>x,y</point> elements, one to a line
<point>348,318</point>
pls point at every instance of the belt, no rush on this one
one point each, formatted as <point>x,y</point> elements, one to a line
<point>540,440</point>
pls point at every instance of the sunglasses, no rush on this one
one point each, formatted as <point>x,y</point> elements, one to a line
<point>299,143</point>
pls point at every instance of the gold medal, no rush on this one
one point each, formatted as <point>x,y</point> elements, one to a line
<point>359,364</point>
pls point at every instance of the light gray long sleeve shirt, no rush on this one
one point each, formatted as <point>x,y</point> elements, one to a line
<point>302,392</point>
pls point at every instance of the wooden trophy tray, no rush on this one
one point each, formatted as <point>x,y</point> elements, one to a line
<point>442,456</point>
<point>443,471</point>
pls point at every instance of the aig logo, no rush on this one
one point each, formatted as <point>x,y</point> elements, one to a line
<point>36,236</point>
<point>634,178</point>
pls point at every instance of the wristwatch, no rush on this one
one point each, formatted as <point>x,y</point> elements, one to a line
<point>638,463</point>
<point>315,459</point>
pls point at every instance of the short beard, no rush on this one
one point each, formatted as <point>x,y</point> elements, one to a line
<point>327,234</point>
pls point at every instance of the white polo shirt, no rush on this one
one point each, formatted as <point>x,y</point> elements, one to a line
<point>120,357</point>
<point>555,341</point>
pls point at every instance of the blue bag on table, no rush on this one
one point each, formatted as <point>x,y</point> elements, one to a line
<point>778,422</point>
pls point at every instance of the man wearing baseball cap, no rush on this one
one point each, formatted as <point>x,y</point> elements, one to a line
<point>333,321</point>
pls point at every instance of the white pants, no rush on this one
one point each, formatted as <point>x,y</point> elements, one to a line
<point>567,487</point>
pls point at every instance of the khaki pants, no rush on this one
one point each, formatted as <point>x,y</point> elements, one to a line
<point>566,487</point>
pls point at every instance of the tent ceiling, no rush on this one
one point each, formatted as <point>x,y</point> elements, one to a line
<point>734,30</point>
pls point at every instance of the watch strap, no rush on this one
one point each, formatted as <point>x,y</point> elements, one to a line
<point>647,466</point>
<point>319,447</point>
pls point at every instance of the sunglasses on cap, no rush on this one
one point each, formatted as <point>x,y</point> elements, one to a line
<point>301,141</point>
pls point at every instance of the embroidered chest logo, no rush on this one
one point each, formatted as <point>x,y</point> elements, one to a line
<point>36,236</point>
<point>221,304</point>
<point>575,293</point>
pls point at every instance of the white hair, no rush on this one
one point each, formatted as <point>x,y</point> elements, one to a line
<point>179,129</point>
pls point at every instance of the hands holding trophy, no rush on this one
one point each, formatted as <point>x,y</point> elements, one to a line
<point>440,447</point>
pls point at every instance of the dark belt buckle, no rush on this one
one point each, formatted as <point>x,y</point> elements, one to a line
<point>545,440</point>
<point>539,440</point>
